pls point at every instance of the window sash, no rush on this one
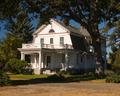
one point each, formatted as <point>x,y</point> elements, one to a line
<point>42,40</point>
<point>61,40</point>
<point>51,40</point>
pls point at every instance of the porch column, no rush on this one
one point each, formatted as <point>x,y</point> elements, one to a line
<point>42,66</point>
<point>22,56</point>
<point>66,60</point>
<point>35,60</point>
<point>40,61</point>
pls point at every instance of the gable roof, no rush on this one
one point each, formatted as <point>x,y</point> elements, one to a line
<point>39,29</point>
<point>82,31</point>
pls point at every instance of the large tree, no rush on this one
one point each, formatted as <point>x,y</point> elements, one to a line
<point>89,13</point>
<point>19,31</point>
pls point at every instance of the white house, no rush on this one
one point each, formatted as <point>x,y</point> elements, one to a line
<point>57,46</point>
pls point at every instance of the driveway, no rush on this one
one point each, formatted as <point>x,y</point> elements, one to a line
<point>62,89</point>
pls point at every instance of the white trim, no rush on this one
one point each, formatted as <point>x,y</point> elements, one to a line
<point>57,23</point>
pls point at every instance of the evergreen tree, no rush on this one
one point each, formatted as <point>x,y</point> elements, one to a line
<point>20,31</point>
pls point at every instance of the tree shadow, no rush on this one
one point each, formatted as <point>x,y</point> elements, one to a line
<point>49,79</point>
<point>53,79</point>
<point>33,81</point>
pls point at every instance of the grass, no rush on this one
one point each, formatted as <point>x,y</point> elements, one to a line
<point>20,79</point>
<point>98,81</point>
<point>25,77</point>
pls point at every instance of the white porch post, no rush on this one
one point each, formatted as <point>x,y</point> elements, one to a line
<point>66,60</point>
<point>35,60</point>
<point>40,61</point>
<point>22,56</point>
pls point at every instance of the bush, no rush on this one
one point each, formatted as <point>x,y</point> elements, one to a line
<point>109,72</point>
<point>113,78</point>
<point>18,66</point>
<point>116,63</point>
<point>4,79</point>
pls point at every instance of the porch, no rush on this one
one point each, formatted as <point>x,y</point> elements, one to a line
<point>44,61</point>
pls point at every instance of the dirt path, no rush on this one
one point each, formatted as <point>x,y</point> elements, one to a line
<point>63,89</point>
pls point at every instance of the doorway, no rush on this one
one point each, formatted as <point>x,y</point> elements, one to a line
<point>48,61</point>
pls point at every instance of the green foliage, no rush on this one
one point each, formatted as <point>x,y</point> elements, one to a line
<point>19,31</point>
<point>26,77</point>
<point>18,66</point>
<point>8,8</point>
<point>113,78</point>
<point>116,63</point>
<point>72,76</point>
<point>8,48</point>
<point>21,27</point>
<point>4,79</point>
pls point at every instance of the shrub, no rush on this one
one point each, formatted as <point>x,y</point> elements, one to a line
<point>116,63</point>
<point>113,78</point>
<point>109,72</point>
<point>18,66</point>
<point>4,79</point>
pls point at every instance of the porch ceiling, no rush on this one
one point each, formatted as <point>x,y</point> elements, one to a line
<point>30,50</point>
<point>37,50</point>
<point>57,50</point>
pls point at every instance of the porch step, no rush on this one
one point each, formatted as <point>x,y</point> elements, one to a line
<point>37,71</point>
<point>48,72</point>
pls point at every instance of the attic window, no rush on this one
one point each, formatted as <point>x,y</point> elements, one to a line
<point>51,31</point>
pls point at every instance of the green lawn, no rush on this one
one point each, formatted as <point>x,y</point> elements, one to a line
<point>26,77</point>
<point>20,79</point>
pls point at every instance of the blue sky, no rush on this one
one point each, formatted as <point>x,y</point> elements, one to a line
<point>2,29</point>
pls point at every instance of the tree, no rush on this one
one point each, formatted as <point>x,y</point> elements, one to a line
<point>19,31</point>
<point>21,27</point>
<point>114,43</point>
<point>115,37</point>
<point>89,13</point>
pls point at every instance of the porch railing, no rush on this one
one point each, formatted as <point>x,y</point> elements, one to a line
<point>49,46</point>
<point>30,45</point>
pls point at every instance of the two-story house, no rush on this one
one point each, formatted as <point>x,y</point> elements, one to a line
<point>57,46</point>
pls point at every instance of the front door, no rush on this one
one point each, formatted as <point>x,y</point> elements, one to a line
<point>48,62</point>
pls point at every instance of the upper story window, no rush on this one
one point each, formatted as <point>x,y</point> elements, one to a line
<point>42,41</point>
<point>61,40</point>
<point>51,40</point>
<point>51,31</point>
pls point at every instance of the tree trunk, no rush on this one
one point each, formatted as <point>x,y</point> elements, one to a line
<point>96,42</point>
<point>98,55</point>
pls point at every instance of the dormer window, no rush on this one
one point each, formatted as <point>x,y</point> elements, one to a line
<point>51,31</point>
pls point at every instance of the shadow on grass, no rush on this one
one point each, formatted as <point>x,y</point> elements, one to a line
<point>53,79</point>
<point>50,79</point>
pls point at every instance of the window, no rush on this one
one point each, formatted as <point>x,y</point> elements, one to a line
<point>51,40</point>
<point>61,40</point>
<point>42,41</point>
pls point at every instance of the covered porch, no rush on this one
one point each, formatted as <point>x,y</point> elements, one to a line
<point>51,60</point>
